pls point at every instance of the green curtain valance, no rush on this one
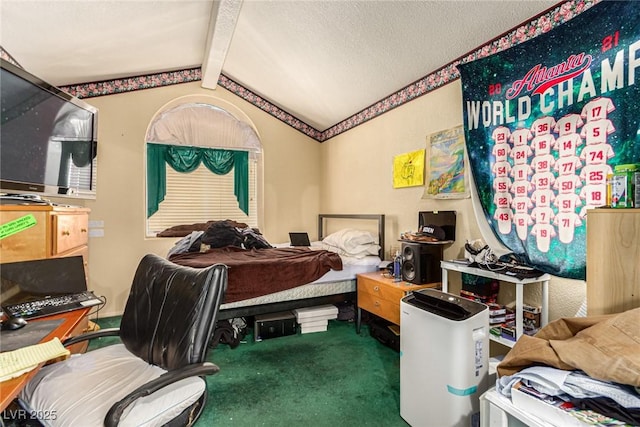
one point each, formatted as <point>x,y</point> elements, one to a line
<point>187,159</point>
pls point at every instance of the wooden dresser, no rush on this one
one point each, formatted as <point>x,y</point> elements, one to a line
<point>51,232</point>
<point>381,296</point>
<point>613,260</point>
<point>43,231</point>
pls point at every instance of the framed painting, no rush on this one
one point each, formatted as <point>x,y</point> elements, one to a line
<point>446,167</point>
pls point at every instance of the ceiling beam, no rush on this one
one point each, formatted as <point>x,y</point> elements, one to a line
<point>224,16</point>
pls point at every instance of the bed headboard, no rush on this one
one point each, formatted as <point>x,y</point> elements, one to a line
<point>379,218</point>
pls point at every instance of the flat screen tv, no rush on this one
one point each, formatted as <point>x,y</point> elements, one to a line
<point>48,141</point>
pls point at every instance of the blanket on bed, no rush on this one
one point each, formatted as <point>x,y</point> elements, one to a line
<point>606,347</point>
<point>257,272</point>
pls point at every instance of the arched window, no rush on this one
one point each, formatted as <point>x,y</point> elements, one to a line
<point>203,163</point>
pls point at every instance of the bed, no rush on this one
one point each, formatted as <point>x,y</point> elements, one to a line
<point>334,275</point>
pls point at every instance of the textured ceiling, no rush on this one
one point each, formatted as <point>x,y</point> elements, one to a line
<point>319,61</point>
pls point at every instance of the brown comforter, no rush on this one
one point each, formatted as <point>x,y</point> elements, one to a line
<point>605,347</point>
<point>258,272</point>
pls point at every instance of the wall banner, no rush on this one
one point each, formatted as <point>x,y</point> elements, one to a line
<point>545,122</point>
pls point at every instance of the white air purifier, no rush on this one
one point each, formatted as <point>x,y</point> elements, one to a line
<point>444,359</point>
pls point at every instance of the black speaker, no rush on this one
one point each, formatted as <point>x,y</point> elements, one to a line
<point>421,262</point>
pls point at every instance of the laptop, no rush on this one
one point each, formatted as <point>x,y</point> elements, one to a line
<point>38,288</point>
<point>299,239</point>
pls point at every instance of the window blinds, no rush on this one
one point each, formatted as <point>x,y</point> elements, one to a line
<point>202,196</point>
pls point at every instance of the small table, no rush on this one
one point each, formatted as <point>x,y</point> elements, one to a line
<point>544,279</point>
<point>379,294</point>
<point>72,325</point>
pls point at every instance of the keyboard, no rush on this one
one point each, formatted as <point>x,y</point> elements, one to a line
<point>52,305</point>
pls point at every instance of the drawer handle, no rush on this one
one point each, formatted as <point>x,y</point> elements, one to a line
<point>66,233</point>
<point>377,303</point>
<point>376,288</point>
<point>83,230</point>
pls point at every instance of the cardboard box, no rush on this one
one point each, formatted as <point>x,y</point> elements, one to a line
<point>508,332</point>
<point>496,320</point>
<point>496,309</point>
<point>619,189</point>
<point>304,329</point>
<point>636,190</point>
<point>310,323</point>
<point>531,323</point>
<point>328,311</point>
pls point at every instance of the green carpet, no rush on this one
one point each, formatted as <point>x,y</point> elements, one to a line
<point>320,379</point>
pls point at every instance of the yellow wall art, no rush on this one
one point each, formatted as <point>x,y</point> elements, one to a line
<point>408,169</point>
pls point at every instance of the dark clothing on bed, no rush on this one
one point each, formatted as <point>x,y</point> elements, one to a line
<point>222,233</point>
<point>218,234</point>
<point>186,229</point>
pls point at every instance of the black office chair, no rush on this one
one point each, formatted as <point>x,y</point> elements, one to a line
<point>156,376</point>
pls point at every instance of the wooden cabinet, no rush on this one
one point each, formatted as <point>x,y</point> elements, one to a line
<point>381,296</point>
<point>46,232</point>
<point>613,260</point>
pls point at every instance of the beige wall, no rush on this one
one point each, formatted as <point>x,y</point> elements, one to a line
<point>357,178</point>
<point>350,173</point>
<point>291,176</point>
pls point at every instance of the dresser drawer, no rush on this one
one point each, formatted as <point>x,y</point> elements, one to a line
<point>28,243</point>
<point>388,310</point>
<point>69,232</point>
<point>380,290</point>
<point>380,295</point>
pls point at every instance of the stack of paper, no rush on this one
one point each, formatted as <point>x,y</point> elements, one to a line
<point>17,362</point>
<point>315,319</point>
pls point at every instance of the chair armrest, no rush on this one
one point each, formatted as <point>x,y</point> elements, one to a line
<point>91,335</point>
<point>194,370</point>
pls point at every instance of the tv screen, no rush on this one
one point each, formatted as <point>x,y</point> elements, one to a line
<point>47,138</point>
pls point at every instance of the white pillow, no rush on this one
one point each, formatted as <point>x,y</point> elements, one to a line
<point>353,242</point>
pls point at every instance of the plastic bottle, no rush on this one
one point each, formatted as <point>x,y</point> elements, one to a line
<point>397,267</point>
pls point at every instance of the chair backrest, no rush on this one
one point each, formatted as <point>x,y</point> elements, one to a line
<point>171,311</point>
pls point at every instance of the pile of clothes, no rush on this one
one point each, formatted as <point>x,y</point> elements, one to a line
<point>591,362</point>
<point>215,234</point>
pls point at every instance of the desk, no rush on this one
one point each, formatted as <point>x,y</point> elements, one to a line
<point>72,325</point>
